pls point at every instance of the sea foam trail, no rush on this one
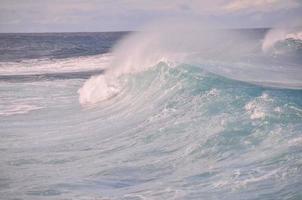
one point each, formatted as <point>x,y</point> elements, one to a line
<point>227,53</point>
<point>46,66</point>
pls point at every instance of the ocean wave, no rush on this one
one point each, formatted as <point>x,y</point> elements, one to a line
<point>228,53</point>
<point>275,36</point>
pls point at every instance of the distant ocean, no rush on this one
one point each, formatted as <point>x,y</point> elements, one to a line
<point>151,115</point>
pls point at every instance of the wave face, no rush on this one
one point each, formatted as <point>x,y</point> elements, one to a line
<point>175,124</point>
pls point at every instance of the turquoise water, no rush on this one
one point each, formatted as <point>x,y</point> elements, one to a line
<point>177,132</point>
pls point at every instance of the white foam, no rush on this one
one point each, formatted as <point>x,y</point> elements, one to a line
<point>36,66</point>
<point>257,108</point>
<point>18,109</point>
<point>98,88</point>
<point>254,110</point>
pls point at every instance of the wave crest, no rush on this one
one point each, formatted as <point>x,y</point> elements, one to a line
<point>229,53</point>
<point>278,35</point>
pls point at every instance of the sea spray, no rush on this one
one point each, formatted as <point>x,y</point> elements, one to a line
<point>169,41</point>
<point>228,53</point>
<point>279,35</point>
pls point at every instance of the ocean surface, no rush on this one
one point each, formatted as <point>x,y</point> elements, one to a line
<point>164,116</point>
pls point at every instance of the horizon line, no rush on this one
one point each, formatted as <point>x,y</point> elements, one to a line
<point>118,31</point>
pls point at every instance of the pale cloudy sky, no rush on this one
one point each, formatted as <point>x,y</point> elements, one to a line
<point>114,15</point>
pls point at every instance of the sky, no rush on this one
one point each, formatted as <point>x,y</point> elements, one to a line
<point>124,15</point>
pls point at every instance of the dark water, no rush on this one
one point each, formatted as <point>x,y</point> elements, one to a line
<point>18,46</point>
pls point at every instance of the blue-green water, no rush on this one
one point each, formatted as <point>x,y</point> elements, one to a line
<point>179,132</point>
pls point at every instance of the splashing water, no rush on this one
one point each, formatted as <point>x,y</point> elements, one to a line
<point>225,52</point>
<point>277,35</point>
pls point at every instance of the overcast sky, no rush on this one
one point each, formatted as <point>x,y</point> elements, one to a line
<point>116,15</point>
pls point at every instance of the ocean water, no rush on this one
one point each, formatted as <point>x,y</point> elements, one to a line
<point>164,116</point>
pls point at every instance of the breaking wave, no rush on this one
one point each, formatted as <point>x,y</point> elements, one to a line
<point>276,36</point>
<point>228,53</point>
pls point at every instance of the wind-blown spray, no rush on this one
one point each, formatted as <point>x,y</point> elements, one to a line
<point>229,53</point>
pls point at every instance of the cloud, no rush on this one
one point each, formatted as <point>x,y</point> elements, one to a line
<point>196,6</point>
<point>260,5</point>
<point>65,15</point>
